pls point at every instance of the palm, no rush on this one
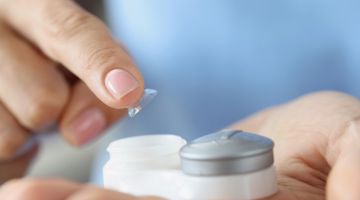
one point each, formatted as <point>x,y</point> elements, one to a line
<point>312,138</point>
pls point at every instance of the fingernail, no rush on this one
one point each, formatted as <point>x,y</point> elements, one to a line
<point>120,82</point>
<point>88,125</point>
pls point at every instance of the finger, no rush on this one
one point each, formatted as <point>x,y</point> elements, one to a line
<point>58,190</point>
<point>86,117</point>
<point>12,135</point>
<point>94,193</point>
<point>282,195</point>
<point>344,178</point>
<point>83,44</point>
<point>15,168</point>
<point>32,189</point>
<point>31,87</point>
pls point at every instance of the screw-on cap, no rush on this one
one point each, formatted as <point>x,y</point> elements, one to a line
<point>227,152</point>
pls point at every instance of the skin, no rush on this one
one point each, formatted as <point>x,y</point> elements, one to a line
<point>317,146</point>
<point>54,59</point>
<point>30,189</point>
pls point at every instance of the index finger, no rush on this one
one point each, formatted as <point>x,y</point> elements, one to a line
<point>82,43</point>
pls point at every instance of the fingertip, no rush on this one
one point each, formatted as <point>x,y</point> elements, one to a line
<point>85,126</point>
<point>118,88</point>
<point>119,83</point>
<point>344,179</point>
<point>124,88</point>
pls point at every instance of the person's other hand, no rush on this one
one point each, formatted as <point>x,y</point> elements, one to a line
<point>317,146</point>
<point>36,189</point>
<point>59,63</point>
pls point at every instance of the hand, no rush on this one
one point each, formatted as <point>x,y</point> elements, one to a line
<point>44,44</point>
<point>31,189</point>
<point>317,149</point>
<point>317,146</point>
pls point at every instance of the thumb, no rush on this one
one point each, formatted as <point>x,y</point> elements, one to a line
<point>82,43</point>
<point>344,179</point>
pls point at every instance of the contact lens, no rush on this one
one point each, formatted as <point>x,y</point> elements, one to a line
<point>149,95</point>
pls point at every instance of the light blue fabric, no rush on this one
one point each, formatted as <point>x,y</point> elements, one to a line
<point>215,62</point>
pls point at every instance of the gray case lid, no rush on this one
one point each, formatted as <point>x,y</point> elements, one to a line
<point>227,152</point>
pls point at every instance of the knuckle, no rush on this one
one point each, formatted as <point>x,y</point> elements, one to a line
<point>65,23</point>
<point>36,115</point>
<point>43,109</point>
<point>95,58</point>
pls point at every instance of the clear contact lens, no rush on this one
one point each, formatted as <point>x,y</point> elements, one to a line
<point>149,95</point>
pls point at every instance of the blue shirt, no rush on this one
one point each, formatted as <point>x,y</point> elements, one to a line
<point>215,62</point>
